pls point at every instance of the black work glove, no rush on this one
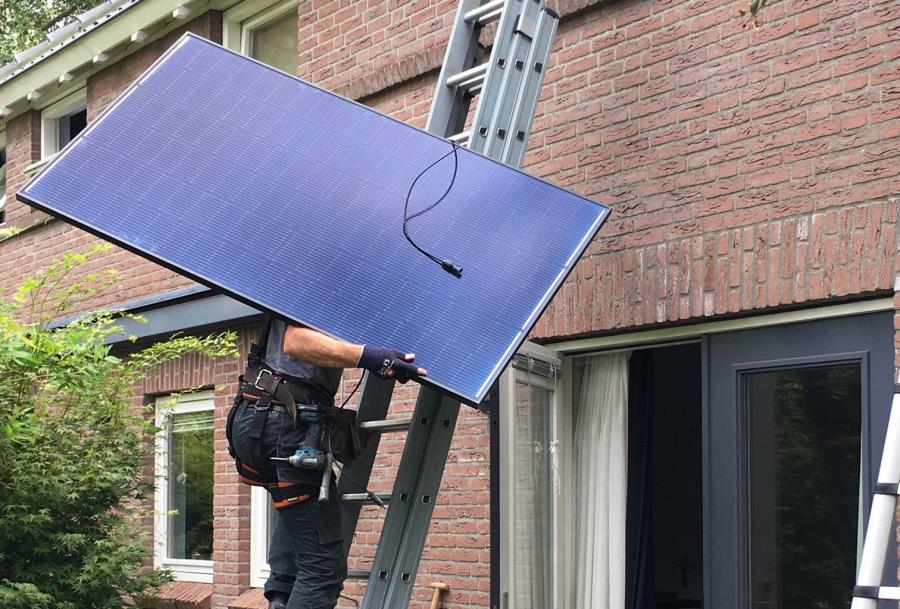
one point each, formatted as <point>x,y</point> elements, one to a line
<point>387,363</point>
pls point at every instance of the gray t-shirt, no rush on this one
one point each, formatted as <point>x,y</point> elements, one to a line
<point>326,378</point>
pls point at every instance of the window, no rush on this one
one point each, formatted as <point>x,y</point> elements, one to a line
<point>2,177</point>
<point>184,486</point>
<point>804,463</point>
<point>529,477</point>
<point>61,122</point>
<point>266,31</point>
<point>275,42</point>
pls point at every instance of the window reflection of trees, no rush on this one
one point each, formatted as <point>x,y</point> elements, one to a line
<point>817,419</point>
<point>191,477</point>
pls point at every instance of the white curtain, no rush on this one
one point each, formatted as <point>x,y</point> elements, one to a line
<point>601,483</point>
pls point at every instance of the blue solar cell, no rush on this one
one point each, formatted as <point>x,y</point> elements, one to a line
<point>290,198</point>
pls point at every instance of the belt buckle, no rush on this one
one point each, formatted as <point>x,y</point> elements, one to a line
<point>260,376</point>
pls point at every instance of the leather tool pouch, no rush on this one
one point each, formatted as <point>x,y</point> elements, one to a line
<point>345,441</point>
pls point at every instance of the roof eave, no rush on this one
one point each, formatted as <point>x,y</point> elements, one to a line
<point>74,53</point>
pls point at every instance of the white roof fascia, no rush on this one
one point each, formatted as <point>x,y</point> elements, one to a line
<point>117,30</point>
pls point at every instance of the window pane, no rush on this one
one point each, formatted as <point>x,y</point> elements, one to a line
<point>533,493</point>
<point>71,125</point>
<point>191,486</point>
<point>804,427</point>
<point>276,43</point>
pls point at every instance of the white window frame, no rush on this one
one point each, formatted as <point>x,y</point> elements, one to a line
<point>3,192</point>
<point>560,426</point>
<point>239,22</point>
<point>182,569</point>
<point>260,504</point>
<point>50,116</point>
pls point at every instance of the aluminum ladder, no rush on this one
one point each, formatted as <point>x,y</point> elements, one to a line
<point>508,87</point>
<point>882,520</point>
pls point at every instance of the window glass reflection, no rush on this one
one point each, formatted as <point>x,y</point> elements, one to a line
<point>804,462</point>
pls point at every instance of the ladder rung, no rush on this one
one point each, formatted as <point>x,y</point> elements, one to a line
<point>364,498</point>
<point>877,592</point>
<point>472,78</point>
<point>887,488</point>
<point>486,12</point>
<point>386,426</point>
<point>461,138</point>
<point>358,573</point>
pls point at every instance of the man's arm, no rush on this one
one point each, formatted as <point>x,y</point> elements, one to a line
<point>311,346</point>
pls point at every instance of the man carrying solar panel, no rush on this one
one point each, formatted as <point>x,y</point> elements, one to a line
<point>283,432</point>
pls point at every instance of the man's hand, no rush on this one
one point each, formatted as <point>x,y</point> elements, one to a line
<point>389,363</point>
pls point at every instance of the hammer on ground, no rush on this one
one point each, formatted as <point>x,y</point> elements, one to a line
<point>438,589</point>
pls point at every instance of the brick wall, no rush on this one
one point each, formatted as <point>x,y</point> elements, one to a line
<point>23,147</point>
<point>747,169</point>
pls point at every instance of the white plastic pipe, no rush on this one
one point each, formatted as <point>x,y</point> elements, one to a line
<point>881,516</point>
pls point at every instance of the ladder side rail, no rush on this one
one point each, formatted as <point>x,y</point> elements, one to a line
<point>373,406</point>
<point>408,491</point>
<point>528,96</point>
<point>508,47</point>
<point>413,542</point>
<point>498,61</point>
<point>493,117</point>
<point>462,51</point>
<point>882,513</point>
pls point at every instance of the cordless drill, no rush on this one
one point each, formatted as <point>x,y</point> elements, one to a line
<point>308,454</point>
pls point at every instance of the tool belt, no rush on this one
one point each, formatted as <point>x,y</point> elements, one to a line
<point>270,389</point>
<point>341,434</point>
<point>283,494</point>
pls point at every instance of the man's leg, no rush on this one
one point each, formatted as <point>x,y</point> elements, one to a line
<point>282,565</point>
<point>315,529</point>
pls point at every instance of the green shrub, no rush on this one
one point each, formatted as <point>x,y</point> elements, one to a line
<point>74,450</point>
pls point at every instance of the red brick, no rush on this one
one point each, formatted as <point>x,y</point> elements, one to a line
<point>862,61</point>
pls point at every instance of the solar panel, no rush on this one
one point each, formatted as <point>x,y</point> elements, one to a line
<point>290,199</point>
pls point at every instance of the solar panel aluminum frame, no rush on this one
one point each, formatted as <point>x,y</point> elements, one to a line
<point>469,398</point>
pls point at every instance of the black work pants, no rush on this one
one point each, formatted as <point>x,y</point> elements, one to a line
<point>311,571</point>
<point>306,554</point>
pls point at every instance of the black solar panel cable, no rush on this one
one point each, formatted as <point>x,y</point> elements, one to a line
<point>448,265</point>
<point>372,496</point>
<point>355,387</point>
